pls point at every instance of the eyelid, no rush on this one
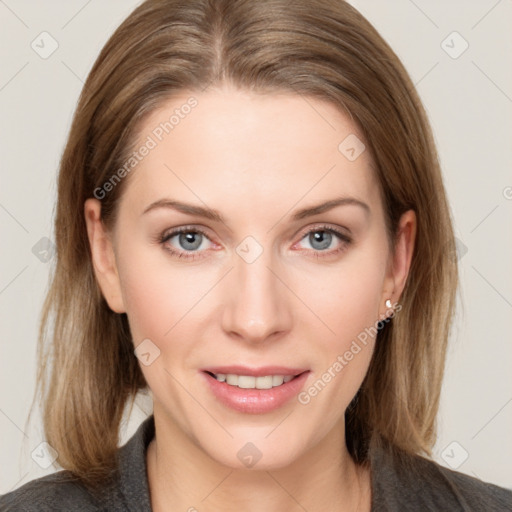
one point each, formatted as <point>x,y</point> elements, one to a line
<point>172,232</point>
<point>342,231</point>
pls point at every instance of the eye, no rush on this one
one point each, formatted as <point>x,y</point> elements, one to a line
<point>190,242</point>
<point>321,238</point>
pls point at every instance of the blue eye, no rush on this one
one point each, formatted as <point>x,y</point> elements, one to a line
<point>191,239</point>
<point>321,238</point>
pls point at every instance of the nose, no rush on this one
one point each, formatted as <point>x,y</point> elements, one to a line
<point>258,306</point>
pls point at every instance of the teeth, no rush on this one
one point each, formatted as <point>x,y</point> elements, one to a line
<point>277,380</point>
<point>249,382</point>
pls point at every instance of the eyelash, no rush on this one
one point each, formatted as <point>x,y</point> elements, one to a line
<point>166,236</point>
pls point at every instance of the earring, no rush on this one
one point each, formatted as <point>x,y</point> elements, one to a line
<point>388,303</point>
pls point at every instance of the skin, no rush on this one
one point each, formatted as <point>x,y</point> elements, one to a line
<point>256,159</point>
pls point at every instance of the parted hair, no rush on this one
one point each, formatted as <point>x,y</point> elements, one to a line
<point>323,49</point>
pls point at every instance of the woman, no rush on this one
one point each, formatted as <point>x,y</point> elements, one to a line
<point>252,224</point>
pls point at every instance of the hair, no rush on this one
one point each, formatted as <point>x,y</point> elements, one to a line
<point>322,49</point>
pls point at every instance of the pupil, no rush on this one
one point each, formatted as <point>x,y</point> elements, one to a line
<point>323,237</point>
<point>189,239</point>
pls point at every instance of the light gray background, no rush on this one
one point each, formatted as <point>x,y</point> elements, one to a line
<point>469,102</point>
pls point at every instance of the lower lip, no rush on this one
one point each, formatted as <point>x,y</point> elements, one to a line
<point>255,401</point>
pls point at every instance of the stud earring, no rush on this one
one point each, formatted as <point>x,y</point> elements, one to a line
<point>388,303</point>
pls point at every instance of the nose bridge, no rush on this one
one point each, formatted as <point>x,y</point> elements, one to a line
<point>257,305</point>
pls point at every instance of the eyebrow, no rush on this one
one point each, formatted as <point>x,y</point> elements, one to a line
<point>214,215</point>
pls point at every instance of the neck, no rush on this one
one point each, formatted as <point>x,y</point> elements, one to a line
<point>183,477</point>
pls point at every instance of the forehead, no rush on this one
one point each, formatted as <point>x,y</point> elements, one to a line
<point>259,150</point>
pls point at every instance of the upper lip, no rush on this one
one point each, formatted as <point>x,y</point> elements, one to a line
<point>261,371</point>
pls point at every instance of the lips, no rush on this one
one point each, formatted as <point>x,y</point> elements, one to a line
<point>246,398</point>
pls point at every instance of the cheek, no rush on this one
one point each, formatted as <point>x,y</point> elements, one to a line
<point>157,295</point>
<point>360,297</point>
<point>348,302</point>
<point>347,299</point>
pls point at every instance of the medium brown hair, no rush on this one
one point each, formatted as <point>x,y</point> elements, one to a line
<point>321,49</point>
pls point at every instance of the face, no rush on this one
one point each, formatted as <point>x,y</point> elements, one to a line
<point>268,287</point>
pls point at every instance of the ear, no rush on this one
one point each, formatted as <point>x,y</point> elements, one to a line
<point>400,260</point>
<point>103,257</point>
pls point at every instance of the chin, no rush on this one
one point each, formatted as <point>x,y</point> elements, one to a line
<point>255,452</point>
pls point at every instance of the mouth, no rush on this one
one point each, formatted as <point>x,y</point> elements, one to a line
<point>255,390</point>
<point>252,382</point>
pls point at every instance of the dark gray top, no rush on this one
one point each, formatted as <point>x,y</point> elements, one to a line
<point>398,484</point>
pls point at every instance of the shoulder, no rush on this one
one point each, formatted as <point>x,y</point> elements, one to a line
<point>125,488</point>
<point>478,494</point>
<point>411,482</point>
<point>56,492</point>
<point>468,493</point>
